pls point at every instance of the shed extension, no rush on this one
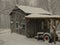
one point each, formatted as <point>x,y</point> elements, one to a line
<point>42,16</point>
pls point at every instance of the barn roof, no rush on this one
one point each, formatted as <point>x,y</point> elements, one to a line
<point>29,9</point>
<point>42,16</point>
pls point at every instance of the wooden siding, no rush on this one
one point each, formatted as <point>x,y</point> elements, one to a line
<point>35,25</point>
<point>17,16</point>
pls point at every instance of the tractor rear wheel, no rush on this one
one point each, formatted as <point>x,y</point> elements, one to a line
<point>46,38</point>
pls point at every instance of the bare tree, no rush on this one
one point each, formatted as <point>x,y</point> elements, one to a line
<point>22,2</point>
<point>6,7</point>
<point>53,6</point>
<point>49,6</point>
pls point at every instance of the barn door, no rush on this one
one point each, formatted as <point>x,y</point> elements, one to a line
<point>45,26</point>
<point>16,22</point>
<point>17,27</point>
<point>42,26</point>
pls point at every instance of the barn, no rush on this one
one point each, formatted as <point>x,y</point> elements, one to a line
<point>18,22</point>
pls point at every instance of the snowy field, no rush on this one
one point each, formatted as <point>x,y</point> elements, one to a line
<point>16,39</point>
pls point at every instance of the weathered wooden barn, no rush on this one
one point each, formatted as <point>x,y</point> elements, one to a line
<point>18,22</point>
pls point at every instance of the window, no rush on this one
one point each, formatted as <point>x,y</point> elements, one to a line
<point>42,26</point>
<point>16,25</point>
<point>23,26</point>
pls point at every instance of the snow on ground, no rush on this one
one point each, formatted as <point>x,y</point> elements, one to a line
<point>8,38</point>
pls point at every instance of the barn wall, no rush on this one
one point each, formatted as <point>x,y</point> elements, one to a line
<point>18,21</point>
<point>36,25</point>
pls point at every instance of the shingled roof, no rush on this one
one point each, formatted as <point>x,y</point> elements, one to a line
<point>42,16</point>
<point>29,9</point>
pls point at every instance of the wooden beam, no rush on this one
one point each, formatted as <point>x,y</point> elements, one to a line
<point>53,25</point>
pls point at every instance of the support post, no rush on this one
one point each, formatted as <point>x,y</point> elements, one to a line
<point>54,31</point>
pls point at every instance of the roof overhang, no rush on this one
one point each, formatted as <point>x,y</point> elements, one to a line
<point>42,16</point>
<point>29,9</point>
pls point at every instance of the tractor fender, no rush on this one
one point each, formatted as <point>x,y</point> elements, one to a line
<point>47,34</point>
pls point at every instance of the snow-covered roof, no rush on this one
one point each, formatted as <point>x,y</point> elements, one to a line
<point>29,9</point>
<point>42,16</point>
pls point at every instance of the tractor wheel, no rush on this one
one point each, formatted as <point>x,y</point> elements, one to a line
<point>46,38</point>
